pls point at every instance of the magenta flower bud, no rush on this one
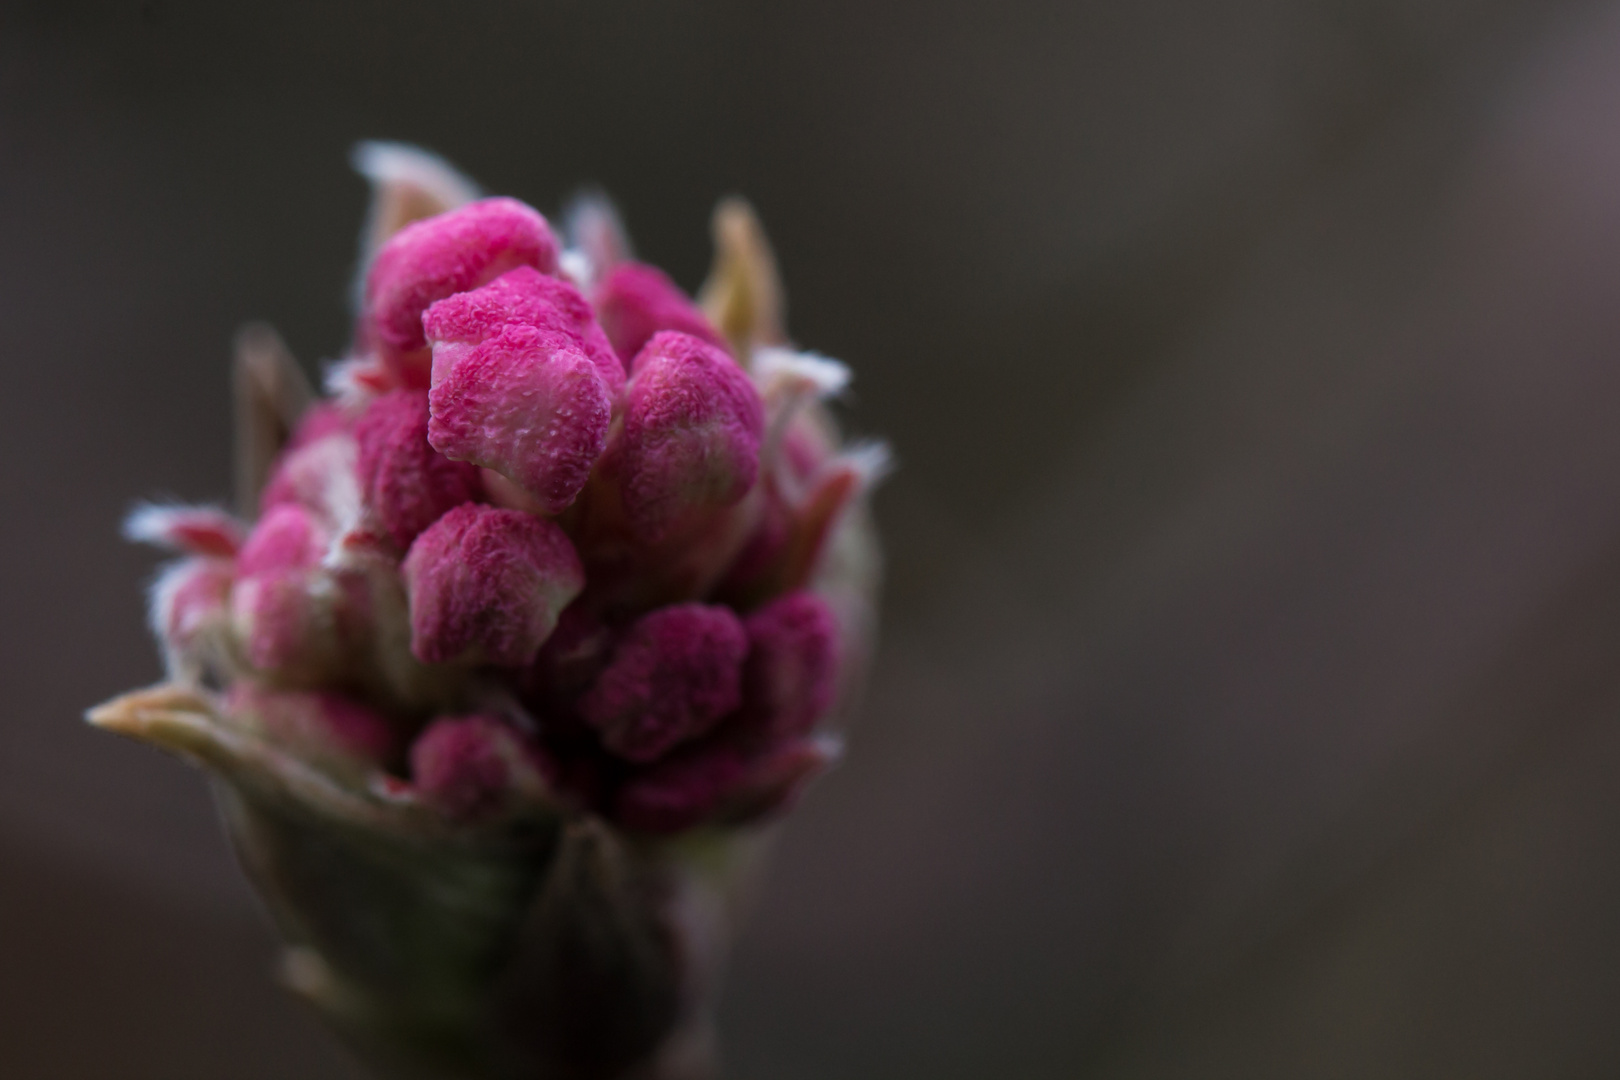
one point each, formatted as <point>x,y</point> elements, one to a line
<point>526,403</point>
<point>529,298</point>
<point>476,768</point>
<point>675,674</point>
<point>191,615</point>
<point>692,427</point>
<point>284,626</point>
<point>327,729</point>
<point>776,778</point>
<point>284,539</point>
<point>636,301</point>
<point>320,476</point>
<point>439,256</point>
<point>724,778</point>
<point>524,646</point>
<point>791,676</point>
<point>407,485</point>
<point>486,585</point>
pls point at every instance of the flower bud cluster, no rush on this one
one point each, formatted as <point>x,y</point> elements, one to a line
<point>554,543</point>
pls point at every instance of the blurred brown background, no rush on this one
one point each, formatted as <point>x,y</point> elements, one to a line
<point>1250,698</point>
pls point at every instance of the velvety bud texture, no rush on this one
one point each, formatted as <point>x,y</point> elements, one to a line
<point>559,581</point>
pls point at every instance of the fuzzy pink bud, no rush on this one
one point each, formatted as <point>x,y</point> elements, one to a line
<point>475,767</point>
<point>284,539</point>
<point>720,778</point>
<point>487,584</point>
<point>775,779</point>
<point>526,403</point>
<point>453,252</point>
<point>320,476</point>
<point>408,485</point>
<point>692,428</point>
<point>279,621</point>
<point>527,297</point>
<point>791,675</point>
<point>283,617</point>
<point>636,301</point>
<point>190,611</point>
<point>677,672</point>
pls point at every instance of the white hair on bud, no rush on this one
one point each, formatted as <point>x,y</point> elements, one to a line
<point>161,593</point>
<point>402,163</point>
<point>577,267</point>
<point>151,523</point>
<point>871,460</point>
<point>773,365</point>
<point>829,746</point>
<point>204,530</point>
<point>343,380</point>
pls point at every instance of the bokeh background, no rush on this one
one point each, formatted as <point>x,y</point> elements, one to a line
<point>1249,702</point>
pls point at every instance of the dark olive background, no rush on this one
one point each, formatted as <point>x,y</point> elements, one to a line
<point>1249,703</point>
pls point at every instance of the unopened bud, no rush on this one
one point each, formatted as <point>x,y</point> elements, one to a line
<point>453,252</point>
<point>672,678</point>
<point>407,484</point>
<point>486,585</point>
<point>635,301</point>
<point>692,427</point>
<point>476,768</point>
<point>528,404</point>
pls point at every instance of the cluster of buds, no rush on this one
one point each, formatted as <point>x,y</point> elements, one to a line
<point>544,614</point>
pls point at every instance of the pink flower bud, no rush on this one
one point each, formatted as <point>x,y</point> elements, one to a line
<point>190,613</point>
<point>284,539</point>
<point>776,778</point>
<point>453,252</point>
<point>692,427</point>
<point>636,301</point>
<point>283,607</point>
<point>486,585</point>
<point>676,673</point>
<point>474,768</point>
<point>720,779</point>
<point>527,297</point>
<point>320,476</point>
<point>325,728</point>
<point>526,403</point>
<point>791,675</point>
<point>407,484</point>
<point>282,624</point>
